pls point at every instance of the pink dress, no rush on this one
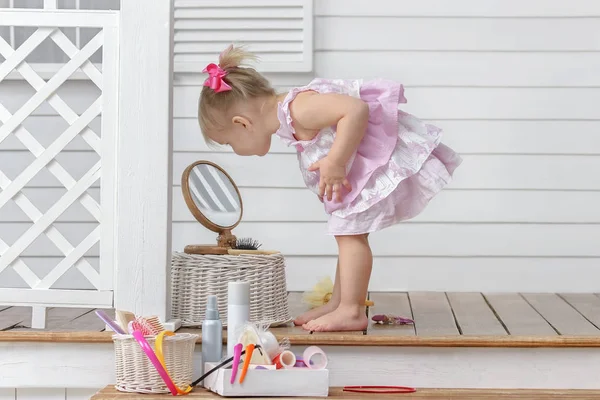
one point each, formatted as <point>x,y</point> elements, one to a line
<point>399,166</point>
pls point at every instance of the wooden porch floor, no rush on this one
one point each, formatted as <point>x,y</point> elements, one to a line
<point>441,319</point>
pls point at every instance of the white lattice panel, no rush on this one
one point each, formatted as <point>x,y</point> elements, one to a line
<point>88,250</point>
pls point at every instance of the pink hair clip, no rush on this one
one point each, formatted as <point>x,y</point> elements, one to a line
<point>215,78</point>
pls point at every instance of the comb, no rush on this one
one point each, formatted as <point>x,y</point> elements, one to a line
<point>154,324</point>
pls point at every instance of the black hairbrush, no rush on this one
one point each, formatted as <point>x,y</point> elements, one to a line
<point>246,244</point>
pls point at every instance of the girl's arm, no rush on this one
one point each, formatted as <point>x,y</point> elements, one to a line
<point>312,112</point>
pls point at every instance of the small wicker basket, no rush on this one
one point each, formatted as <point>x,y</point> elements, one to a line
<point>196,276</point>
<point>136,374</point>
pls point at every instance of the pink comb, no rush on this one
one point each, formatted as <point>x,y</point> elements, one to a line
<point>140,324</point>
<point>155,325</point>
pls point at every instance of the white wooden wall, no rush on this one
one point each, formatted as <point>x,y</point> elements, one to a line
<point>515,85</point>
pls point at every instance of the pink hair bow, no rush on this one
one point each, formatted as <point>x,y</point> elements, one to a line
<point>215,78</point>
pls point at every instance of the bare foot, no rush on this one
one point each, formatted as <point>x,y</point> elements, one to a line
<point>315,313</point>
<point>342,319</point>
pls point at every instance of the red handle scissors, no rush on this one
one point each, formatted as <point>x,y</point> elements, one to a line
<point>379,389</point>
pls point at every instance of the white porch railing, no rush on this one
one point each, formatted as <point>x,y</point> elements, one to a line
<point>40,292</point>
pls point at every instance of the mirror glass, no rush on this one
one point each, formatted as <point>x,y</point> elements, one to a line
<point>214,195</point>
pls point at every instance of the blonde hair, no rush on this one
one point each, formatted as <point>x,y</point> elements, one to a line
<point>246,83</point>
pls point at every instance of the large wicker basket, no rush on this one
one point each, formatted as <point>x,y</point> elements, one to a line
<point>195,276</point>
<point>136,374</point>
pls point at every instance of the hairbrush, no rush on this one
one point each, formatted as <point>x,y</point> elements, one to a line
<point>247,244</point>
<point>141,325</point>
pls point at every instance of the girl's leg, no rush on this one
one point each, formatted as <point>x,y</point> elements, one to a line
<point>333,303</point>
<point>355,263</point>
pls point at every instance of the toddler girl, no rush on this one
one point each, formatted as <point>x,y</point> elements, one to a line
<point>371,164</point>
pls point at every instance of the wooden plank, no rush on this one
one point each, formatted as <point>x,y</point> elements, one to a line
<point>110,393</point>
<point>564,318</point>
<point>502,137</point>
<point>586,304</point>
<point>427,273</point>
<point>295,303</point>
<point>88,322</point>
<point>264,205</point>
<point>390,303</point>
<point>14,316</point>
<point>297,308</point>
<point>432,314</point>
<point>459,103</point>
<point>338,339</point>
<point>456,34</point>
<point>58,319</point>
<point>518,316</point>
<point>459,8</point>
<point>420,239</point>
<point>473,315</point>
<point>466,69</point>
<point>41,393</point>
<point>537,172</point>
<point>80,394</point>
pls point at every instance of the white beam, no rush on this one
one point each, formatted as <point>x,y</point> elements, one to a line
<point>144,178</point>
<point>55,297</point>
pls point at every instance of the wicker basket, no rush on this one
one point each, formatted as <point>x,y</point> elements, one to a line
<point>194,277</point>
<point>136,374</point>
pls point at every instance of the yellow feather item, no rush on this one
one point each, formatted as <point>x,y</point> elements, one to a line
<point>321,294</point>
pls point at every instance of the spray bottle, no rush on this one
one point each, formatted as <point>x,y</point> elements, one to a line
<point>212,333</point>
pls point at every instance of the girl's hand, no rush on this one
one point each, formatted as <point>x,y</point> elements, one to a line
<point>333,178</point>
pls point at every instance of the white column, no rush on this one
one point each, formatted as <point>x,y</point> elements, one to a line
<point>50,4</point>
<point>38,317</point>
<point>144,180</point>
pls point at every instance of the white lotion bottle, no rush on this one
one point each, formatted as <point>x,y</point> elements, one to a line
<point>212,333</point>
<point>238,312</point>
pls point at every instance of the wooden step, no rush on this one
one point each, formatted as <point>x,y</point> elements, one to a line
<point>109,393</point>
<point>441,320</point>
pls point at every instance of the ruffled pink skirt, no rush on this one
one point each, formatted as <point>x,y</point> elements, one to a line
<point>419,168</point>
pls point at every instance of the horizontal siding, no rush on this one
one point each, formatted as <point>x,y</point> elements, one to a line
<point>513,85</point>
<point>397,273</point>
<point>300,205</point>
<point>428,240</point>
<point>465,136</point>
<point>468,103</point>
<point>415,239</point>
<point>460,8</point>
<point>525,172</point>
<point>468,274</point>
<point>464,68</point>
<point>456,34</point>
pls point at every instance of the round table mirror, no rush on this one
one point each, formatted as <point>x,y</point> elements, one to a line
<point>213,198</point>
